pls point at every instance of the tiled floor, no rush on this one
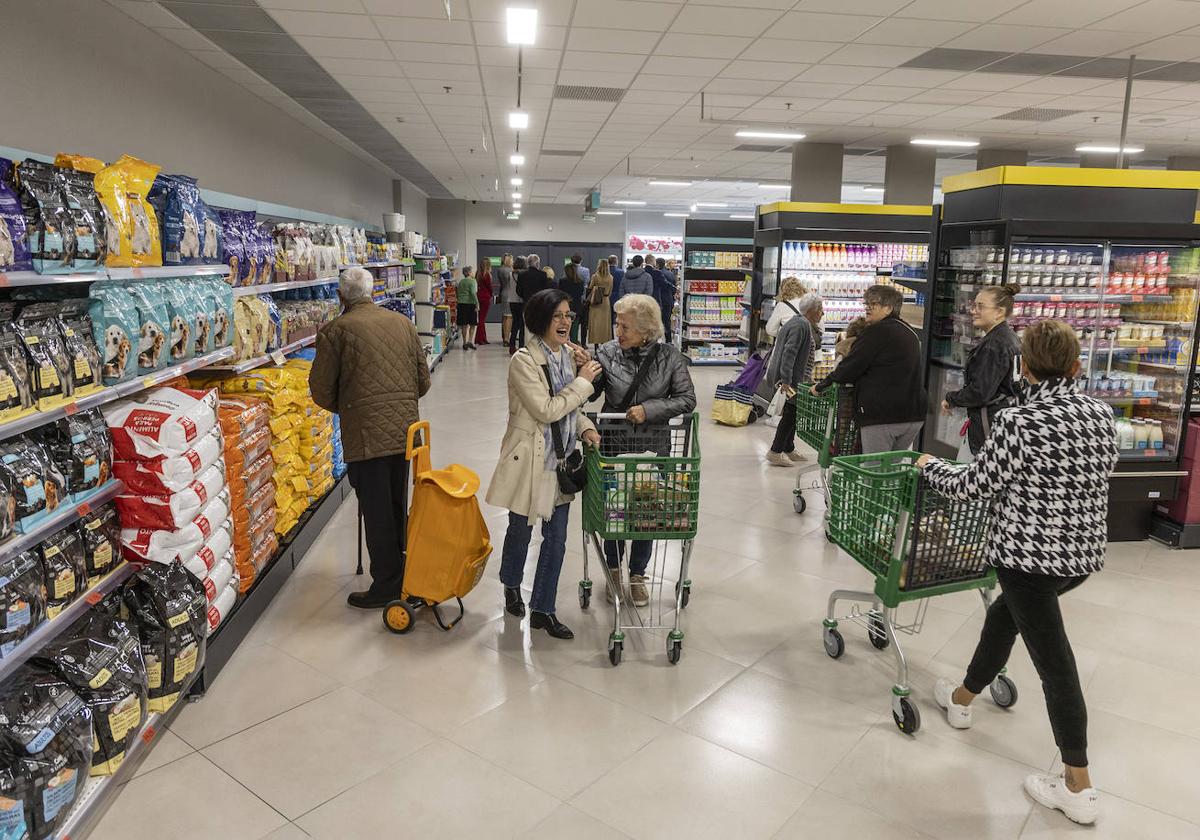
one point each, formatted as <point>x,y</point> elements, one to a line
<point>325,725</point>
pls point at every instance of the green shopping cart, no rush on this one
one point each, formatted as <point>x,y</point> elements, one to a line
<point>825,422</point>
<point>918,544</point>
<point>643,486</point>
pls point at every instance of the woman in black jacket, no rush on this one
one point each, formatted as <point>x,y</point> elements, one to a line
<point>989,379</point>
<point>572,284</point>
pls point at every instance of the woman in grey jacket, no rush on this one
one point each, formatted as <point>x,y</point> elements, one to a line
<point>791,365</point>
<point>665,391</point>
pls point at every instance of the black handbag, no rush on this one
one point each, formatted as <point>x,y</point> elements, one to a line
<point>571,470</point>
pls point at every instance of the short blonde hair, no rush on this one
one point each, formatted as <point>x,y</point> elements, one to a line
<point>1050,349</point>
<point>647,316</point>
<point>791,289</point>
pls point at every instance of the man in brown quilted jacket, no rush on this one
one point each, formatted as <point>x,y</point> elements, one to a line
<point>370,369</point>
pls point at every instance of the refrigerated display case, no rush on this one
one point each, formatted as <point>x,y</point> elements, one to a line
<point>838,251</point>
<point>1126,279</point>
<point>718,258</point>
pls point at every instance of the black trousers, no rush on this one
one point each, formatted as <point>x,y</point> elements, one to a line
<point>382,488</point>
<point>516,333</point>
<point>1028,605</point>
<point>785,432</point>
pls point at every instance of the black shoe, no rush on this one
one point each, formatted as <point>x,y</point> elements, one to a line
<point>368,600</point>
<point>513,605</point>
<point>550,623</point>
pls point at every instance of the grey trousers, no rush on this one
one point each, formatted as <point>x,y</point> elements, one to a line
<point>889,437</point>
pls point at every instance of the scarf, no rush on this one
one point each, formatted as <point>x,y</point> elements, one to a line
<point>561,375</point>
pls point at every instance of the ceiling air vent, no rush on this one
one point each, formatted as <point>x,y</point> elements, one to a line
<point>1038,114</point>
<point>758,147</point>
<point>588,93</point>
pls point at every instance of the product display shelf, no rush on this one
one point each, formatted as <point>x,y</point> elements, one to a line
<point>67,513</point>
<point>107,395</point>
<point>275,357</point>
<point>690,322</point>
<point>157,272</point>
<point>698,360</point>
<point>715,274</point>
<point>239,291</point>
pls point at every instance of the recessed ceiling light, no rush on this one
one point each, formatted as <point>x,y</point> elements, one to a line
<point>774,186</point>
<point>943,141</point>
<point>630,202</point>
<point>711,204</point>
<point>872,189</point>
<point>516,205</point>
<point>677,215</point>
<point>518,119</point>
<point>522,25</point>
<point>770,135</point>
<point>516,160</point>
<point>516,182</point>
<point>670,183</point>
<point>516,196</point>
<point>741,216</point>
<point>609,213</point>
<point>1101,149</point>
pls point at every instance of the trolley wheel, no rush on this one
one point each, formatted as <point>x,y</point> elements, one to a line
<point>614,653</point>
<point>686,595</point>
<point>835,645</point>
<point>585,595</point>
<point>398,616</point>
<point>674,650</point>
<point>908,718</point>
<point>798,503</point>
<point>876,632</point>
<point>1004,692</point>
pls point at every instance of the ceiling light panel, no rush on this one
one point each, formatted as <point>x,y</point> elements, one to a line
<point>521,25</point>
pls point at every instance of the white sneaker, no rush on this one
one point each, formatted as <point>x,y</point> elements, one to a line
<point>1052,791</point>
<point>638,593</point>
<point>795,457</point>
<point>957,716</point>
<point>778,459</point>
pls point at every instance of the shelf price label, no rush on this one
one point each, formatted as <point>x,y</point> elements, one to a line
<point>93,598</point>
<point>1138,298</point>
<point>70,408</point>
<point>83,508</point>
<point>3,279</point>
<point>148,734</point>
<point>277,357</point>
<point>1056,298</point>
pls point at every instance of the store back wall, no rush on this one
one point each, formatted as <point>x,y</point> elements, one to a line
<point>81,76</point>
<point>457,225</point>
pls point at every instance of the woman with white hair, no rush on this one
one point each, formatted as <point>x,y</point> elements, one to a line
<point>791,365</point>
<point>648,382</point>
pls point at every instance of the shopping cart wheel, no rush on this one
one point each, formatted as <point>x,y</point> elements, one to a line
<point>907,717</point>
<point>398,616</point>
<point>585,594</point>
<point>1004,692</point>
<point>835,645</point>
<point>687,592</point>
<point>798,503</point>
<point>674,650</point>
<point>876,632</point>
<point>614,652</point>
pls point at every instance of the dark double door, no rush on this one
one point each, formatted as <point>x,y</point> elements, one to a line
<point>555,254</point>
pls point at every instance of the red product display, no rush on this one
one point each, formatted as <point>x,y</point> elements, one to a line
<point>162,421</point>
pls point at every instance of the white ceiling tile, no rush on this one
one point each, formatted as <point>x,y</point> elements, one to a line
<point>942,96</point>
<point>976,10</point>
<point>997,36</point>
<point>912,77</point>
<point>885,121</point>
<point>531,57</point>
<point>189,39</point>
<point>973,113</point>
<point>614,78</point>
<point>914,109</point>
<point>764,70</point>
<point>587,39</point>
<point>747,4</point>
<point>674,66</point>
<point>862,7</point>
<point>671,84</point>
<point>385,97</point>
<point>149,14</point>
<point>853,106</point>
<point>435,86</point>
<point>813,90</point>
<point>428,30</point>
<point>445,73</point>
<point>882,93</point>
<point>625,14</point>
<point>362,67</point>
<point>987,81</point>
<point>1069,13</point>
<point>839,74</point>
<point>1161,17</point>
<point>714,46</point>
<point>912,32</point>
<point>1014,100</point>
<point>715,20</point>
<point>327,24</point>
<point>818,26</point>
<point>1057,84</point>
<point>1092,42</point>
<point>407,8</point>
<point>778,49</point>
<point>602,61</point>
<point>1171,48</point>
<point>870,55</point>
<point>344,47</point>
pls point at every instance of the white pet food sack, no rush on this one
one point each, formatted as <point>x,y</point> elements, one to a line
<point>161,421</point>
<point>218,545</point>
<point>219,609</point>
<point>218,578</point>
<point>171,473</point>
<point>173,510</point>
<point>148,545</point>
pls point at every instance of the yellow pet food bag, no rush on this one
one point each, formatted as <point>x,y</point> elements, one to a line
<point>133,233</point>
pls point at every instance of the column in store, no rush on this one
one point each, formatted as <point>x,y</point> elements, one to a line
<point>817,172</point>
<point>908,175</point>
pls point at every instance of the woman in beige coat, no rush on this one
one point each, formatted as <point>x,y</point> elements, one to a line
<point>543,390</point>
<point>599,307</point>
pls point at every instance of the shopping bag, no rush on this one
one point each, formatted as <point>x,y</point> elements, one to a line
<point>731,405</point>
<point>775,408</point>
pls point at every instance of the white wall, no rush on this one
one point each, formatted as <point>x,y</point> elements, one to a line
<point>653,223</point>
<point>414,206</point>
<point>82,76</point>
<point>458,225</point>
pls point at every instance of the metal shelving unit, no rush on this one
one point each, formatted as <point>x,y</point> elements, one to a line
<point>156,272</point>
<point>239,291</point>
<point>275,357</point>
<point>701,238</point>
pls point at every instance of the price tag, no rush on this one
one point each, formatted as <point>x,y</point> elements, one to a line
<point>1143,350</point>
<point>148,734</point>
<point>137,272</point>
<point>83,508</point>
<point>3,279</point>
<point>1138,298</point>
<point>93,598</point>
<point>1144,401</point>
<point>277,357</point>
<point>71,408</point>
<point>1056,298</point>
<point>150,381</point>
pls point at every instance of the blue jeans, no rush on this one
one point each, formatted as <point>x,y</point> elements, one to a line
<point>550,558</point>
<point>639,554</point>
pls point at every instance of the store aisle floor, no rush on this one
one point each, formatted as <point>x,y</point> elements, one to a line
<point>326,725</point>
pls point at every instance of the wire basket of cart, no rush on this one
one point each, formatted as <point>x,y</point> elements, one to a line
<point>824,421</point>
<point>643,486</point>
<point>917,543</point>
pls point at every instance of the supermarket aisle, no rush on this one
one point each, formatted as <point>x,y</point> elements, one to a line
<point>326,725</point>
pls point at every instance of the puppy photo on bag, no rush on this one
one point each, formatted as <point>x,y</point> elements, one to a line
<point>189,245</point>
<point>140,241</point>
<point>8,254</point>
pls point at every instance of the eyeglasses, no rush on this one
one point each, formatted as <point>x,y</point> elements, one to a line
<point>975,307</point>
<point>873,305</point>
<point>566,317</point>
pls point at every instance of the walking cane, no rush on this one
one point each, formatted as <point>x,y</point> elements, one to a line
<point>359,571</point>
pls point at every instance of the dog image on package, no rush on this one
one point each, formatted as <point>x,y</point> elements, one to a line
<point>189,246</point>
<point>8,254</point>
<point>123,188</point>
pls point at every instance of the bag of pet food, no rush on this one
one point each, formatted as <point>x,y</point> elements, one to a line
<point>216,547</point>
<point>221,317</point>
<point>115,327</point>
<point>167,604</point>
<point>170,474</point>
<point>148,545</point>
<point>133,234</point>
<point>78,336</point>
<point>234,246</point>
<point>78,455</point>
<point>48,225</point>
<point>153,326</point>
<point>183,220</point>
<point>64,570</point>
<point>79,194</point>
<point>174,510</point>
<point>49,365</point>
<point>213,239</point>
<point>99,532</point>
<point>14,248</point>
<point>217,578</point>
<point>37,487</point>
<point>47,729</point>
<point>246,450</point>
<point>262,553</point>
<point>79,163</point>
<point>22,598</point>
<point>16,384</point>
<point>161,421</point>
<point>101,658</point>
<point>221,605</point>
<point>181,314</point>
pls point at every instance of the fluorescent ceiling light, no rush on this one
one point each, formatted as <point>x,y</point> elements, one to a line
<point>516,182</point>
<point>630,202</point>
<point>516,196</point>
<point>770,135</point>
<point>1091,147</point>
<point>516,160</point>
<point>609,213</point>
<point>774,186</point>
<point>872,189</point>
<point>670,183</point>
<point>522,25</point>
<point>677,215</point>
<point>516,205</point>
<point>518,119</point>
<point>711,204</point>
<point>943,141</point>
<point>740,216</point>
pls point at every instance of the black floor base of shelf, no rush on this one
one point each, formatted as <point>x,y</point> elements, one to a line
<point>294,545</point>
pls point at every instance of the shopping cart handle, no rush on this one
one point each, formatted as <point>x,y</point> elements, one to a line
<point>616,415</point>
<point>610,415</point>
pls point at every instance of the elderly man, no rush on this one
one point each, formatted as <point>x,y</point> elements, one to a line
<point>370,369</point>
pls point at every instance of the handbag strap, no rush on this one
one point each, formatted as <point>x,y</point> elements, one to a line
<point>638,378</point>
<point>560,449</point>
<point>788,304</point>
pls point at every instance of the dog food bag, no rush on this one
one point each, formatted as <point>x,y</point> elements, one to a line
<point>133,235</point>
<point>64,570</point>
<point>115,327</point>
<point>183,219</point>
<point>170,474</point>
<point>174,510</point>
<point>241,417</point>
<point>14,247</point>
<point>153,326</point>
<point>88,233</point>
<point>218,545</point>
<point>219,608</point>
<point>234,246</point>
<point>36,486</point>
<point>16,383</point>
<point>101,549</point>
<point>49,227</point>
<point>78,338</point>
<point>79,163</point>
<point>212,247</point>
<point>181,312</point>
<point>150,545</point>
<point>47,729</point>
<point>217,578</point>
<point>49,365</point>
<point>75,451</point>
<point>246,450</point>
<point>160,422</point>
<point>167,604</point>
<point>22,599</point>
<point>221,311</point>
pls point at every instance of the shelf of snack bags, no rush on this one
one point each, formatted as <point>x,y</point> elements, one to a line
<point>275,357</point>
